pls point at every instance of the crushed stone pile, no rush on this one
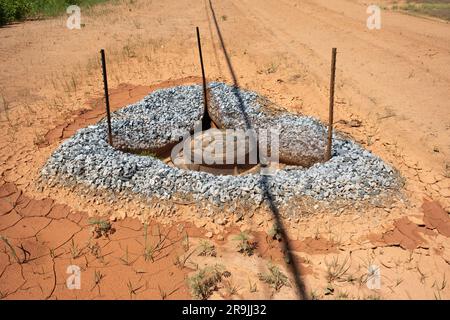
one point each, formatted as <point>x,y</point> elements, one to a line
<point>166,115</point>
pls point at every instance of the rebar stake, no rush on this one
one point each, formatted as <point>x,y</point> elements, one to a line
<point>331,109</point>
<point>105,82</point>
<point>205,99</point>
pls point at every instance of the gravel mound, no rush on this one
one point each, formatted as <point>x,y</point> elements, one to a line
<point>161,119</point>
<point>86,159</point>
<point>302,139</point>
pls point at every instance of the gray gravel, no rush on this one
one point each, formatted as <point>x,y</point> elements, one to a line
<point>353,174</point>
<point>160,119</point>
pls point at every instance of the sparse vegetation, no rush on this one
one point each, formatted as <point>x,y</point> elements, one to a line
<point>230,287</point>
<point>398,282</point>
<point>96,251</point>
<point>437,296</point>
<point>180,260</point>
<point>423,276</point>
<point>98,276</point>
<point>19,10</point>
<point>130,53</point>
<point>149,253</point>
<point>149,250</point>
<point>351,279</point>
<point>25,253</point>
<point>336,270</point>
<point>317,234</point>
<point>162,293</point>
<point>39,139</point>
<point>440,285</point>
<point>342,295</point>
<point>271,68</point>
<point>75,252</point>
<point>205,281</point>
<point>11,248</point>
<point>245,245</point>
<point>434,8</point>
<point>252,287</point>
<point>329,290</point>
<point>132,290</point>
<point>275,278</point>
<point>207,249</point>
<point>101,228</point>
<point>314,295</point>
<point>125,258</point>
<point>275,232</point>
<point>52,253</point>
<point>185,242</point>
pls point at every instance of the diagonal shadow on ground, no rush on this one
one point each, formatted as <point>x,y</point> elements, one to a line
<point>264,181</point>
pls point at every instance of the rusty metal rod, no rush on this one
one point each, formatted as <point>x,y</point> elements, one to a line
<point>205,99</point>
<point>105,82</point>
<point>331,108</point>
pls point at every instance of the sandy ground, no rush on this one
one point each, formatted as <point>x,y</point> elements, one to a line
<point>394,80</point>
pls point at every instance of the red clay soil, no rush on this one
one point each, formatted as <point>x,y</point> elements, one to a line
<point>40,239</point>
<point>409,235</point>
<point>405,234</point>
<point>435,217</point>
<point>312,245</point>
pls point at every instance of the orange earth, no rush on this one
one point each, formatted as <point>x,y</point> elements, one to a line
<point>391,96</point>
